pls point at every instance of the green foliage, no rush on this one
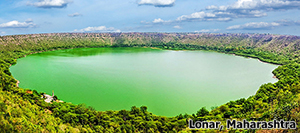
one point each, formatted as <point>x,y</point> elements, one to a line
<point>24,110</point>
<point>202,112</point>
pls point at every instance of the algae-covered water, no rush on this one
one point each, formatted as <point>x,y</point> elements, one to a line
<point>167,82</point>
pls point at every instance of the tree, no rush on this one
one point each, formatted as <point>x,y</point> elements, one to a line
<point>144,109</point>
<point>202,112</point>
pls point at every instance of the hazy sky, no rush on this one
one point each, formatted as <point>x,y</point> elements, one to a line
<point>221,16</point>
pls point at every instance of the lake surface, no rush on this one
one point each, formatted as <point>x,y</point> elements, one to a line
<point>167,82</point>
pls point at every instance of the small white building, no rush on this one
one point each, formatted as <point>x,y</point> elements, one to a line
<point>48,97</point>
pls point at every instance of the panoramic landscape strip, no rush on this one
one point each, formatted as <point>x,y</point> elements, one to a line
<point>24,110</point>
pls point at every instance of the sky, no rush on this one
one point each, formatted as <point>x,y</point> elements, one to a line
<point>213,16</point>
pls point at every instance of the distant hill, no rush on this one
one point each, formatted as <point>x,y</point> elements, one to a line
<point>284,46</point>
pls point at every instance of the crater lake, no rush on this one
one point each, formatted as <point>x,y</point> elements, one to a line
<point>168,82</point>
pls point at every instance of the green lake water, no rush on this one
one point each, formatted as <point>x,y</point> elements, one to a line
<point>167,82</point>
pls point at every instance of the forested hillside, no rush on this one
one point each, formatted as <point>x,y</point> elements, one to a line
<point>25,111</point>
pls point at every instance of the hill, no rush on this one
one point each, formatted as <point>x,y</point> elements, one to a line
<point>24,110</point>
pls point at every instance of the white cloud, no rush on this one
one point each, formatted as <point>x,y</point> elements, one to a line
<point>28,20</point>
<point>51,3</point>
<point>75,14</point>
<point>157,3</point>
<point>145,22</point>
<point>254,26</point>
<point>159,20</point>
<point>177,27</point>
<point>16,24</point>
<point>208,30</point>
<point>285,22</point>
<point>204,16</point>
<point>196,15</point>
<point>212,7</point>
<point>240,9</point>
<point>259,5</point>
<point>265,4</point>
<point>98,29</point>
<point>254,8</point>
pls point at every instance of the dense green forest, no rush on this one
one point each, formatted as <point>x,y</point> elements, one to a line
<point>25,111</point>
